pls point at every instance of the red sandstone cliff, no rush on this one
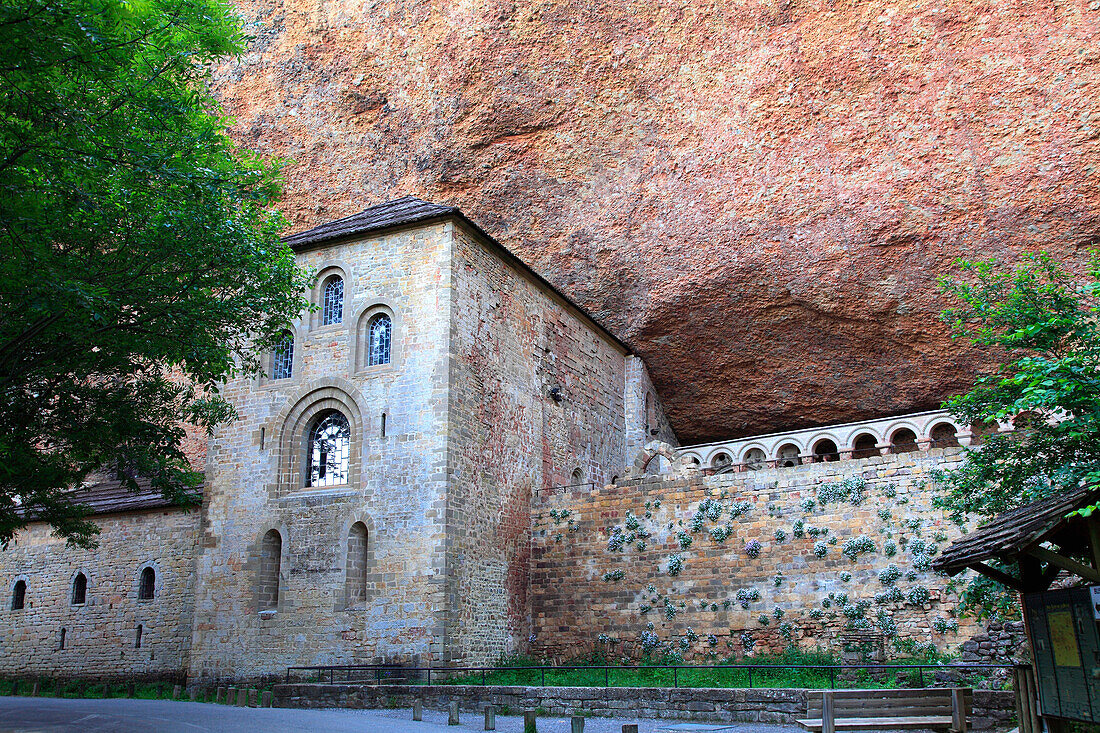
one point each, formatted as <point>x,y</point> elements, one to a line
<point>756,195</point>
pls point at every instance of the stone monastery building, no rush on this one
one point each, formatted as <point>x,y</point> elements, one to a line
<point>381,496</point>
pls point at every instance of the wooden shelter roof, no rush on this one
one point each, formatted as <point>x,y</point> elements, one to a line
<point>1021,531</point>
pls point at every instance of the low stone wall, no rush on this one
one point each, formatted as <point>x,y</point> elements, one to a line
<point>993,709</point>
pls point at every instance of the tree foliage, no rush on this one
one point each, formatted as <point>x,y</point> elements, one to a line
<point>1039,321</point>
<point>140,263</point>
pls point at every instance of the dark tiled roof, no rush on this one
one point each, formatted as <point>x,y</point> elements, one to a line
<point>102,495</point>
<point>405,210</point>
<point>1009,534</point>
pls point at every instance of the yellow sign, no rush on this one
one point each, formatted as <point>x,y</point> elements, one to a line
<point>1063,639</point>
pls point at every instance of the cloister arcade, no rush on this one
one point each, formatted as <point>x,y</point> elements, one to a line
<point>901,434</point>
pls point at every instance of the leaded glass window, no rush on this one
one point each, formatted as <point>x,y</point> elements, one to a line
<point>329,450</point>
<point>333,311</point>
<point>379,332</point>
<point>284,358</point>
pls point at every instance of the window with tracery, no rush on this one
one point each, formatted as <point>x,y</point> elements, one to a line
<point>329,450</point>
<point>333,306</point>
<point>379,334</point>
<point>284,358</point>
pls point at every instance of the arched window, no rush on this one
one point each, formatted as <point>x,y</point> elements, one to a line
<point>18,595</point>
<point>80,589</point>
<point>721,461</point>
<point>904,440</point>
<point>147,586</point>
<point>788,456</point>
<point>329,450</point>
<point>332,310</point>
<point>271,554</point>
<point>755,459</point>
<point>283,367</point>
<point>356,581</point>
<point>825,450</point>
<point>379,333</point>
<point>865,446</point>
<point>577,477</point>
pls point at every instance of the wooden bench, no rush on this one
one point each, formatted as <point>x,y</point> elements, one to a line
<point>926,708</point>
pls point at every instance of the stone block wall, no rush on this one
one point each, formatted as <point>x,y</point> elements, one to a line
<point>992,709</point>
<point>396,488</point>
<point>101,634</point>
<point>780,576</point>
<point>536,401</point>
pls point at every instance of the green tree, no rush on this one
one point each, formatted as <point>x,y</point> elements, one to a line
<point>140,263</point>
<point>1039,322</point>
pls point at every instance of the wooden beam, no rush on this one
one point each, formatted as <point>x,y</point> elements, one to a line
<point>1000,576</point>
<point>1093,524</point>
<point>1065,563</point>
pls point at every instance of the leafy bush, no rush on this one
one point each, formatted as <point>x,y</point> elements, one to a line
<point>889,574</point>
<point>857,546</point>
<point>752,548</point>
<point>675,564</point>
<point>821,549</point>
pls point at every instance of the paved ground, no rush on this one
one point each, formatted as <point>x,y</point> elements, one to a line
<point>54,715</point>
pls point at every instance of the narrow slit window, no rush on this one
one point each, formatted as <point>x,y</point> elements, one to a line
<point>18,595</point>
<point>80,589</point>
<point>62,644</point>
<point>383,425</point>
<point>147,586</point>
<point>137,637</point>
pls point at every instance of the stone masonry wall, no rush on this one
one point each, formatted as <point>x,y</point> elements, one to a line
<point>992,709</point>
<point>513,342</point>
<point>638,419</point>
<point>397,486</point>
<point>601,579</point>
<point>101,634</point>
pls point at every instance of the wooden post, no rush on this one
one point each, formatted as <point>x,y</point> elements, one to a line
<point>253,698</point>
<point>1033,699</point>
<point>828,722</point>
<point>34,689</point>
<point>958,710</point>
<point>175,692</point>
<point>576,724</point>
<point>266,699</point>
<point>490,718</point>
<point>418,709</point>
<point>242,697</point>
<point>452,713</point>
<point>231,696</point>
<point>630,728</point>
<point>219,696</point>
<point>529,722</point>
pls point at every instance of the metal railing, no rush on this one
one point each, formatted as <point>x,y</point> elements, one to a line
<point>397,675</point>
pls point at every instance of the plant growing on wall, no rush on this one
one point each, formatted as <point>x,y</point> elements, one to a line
<point>675,564</point>
<point>752,548</point>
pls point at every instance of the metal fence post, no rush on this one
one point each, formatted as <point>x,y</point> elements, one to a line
<point>675,676</point>
<point>750,678</point>
<point>607,676</point>
<point>543,670</point>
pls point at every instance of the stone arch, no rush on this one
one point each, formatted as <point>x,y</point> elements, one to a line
<point>359,570</point>
<point>754,456</point>
<point>158,579</point>
<point>650,451</point>
<point>269,567</point>
<point>787,454</point>
<point>903,439</point>
<point>944,434</point>
<point>290,429</point>
<point>360,342</point>
<point>865,444</point>
<point>325,272</point>
<point>825,447</point>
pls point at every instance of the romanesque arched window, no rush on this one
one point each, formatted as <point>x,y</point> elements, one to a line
<point>271,555</point>
<point>903,440</point>
<point>379,337</point>
<point>80,589</point>
<point>356,580</point>
<point>329,450</point>
<point>18,595</point>
<point>283,362</point>
<point>332,310</point>
<point>578,477</point>
<point>865,446</point>
<point>147,585</point>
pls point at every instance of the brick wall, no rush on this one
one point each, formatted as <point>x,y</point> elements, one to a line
<point>101,634</point>
<point>713,607</point>
<point>513,342</point>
